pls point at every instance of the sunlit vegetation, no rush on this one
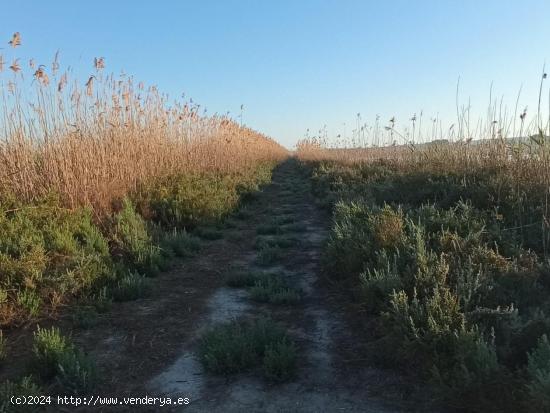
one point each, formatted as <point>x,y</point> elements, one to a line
<point>103,183</point>
<point>448,244</point>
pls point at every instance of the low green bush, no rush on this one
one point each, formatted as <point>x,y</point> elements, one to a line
<point>55,357</point>
<point>240,278</point>
<point>273,289</point>
<point>242,345</point>
<point>132,287</point>
<point>279,363</point>
<point>209,233</point>
<point>538,371</point>
<point>268,256</point>
<point>84,316</point>
<point>264,287</point>
<point>25,387</point>
<point>46,249</point>
<point>76,372</point>
<point>48,347</point>
<point>133,242</point>
<point>181,243</point>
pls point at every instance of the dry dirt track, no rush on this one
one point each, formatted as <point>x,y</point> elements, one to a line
<point>149,346</point>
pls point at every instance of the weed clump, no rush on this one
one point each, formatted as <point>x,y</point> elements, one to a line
<point>181,243</point>
<point>133,241</point>
<point>264,287</point>
<point>268,256</point>
<point>49,345</point>
<point>279,363</point>
<point>76,372</point>
<point>85,316</point>
<point>132,287</point>
<point>55,357</point>
<point>239,278</point>
<point>272,289</point>
<point>280,241</point>
<point>209,233</point>
<point>243,345</point>
<point>25,387</point>
<point>538,370</point>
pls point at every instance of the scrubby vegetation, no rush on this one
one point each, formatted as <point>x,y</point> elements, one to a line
<point>273,289</point>
<point>101,187</point>
<point>49,253</point>
<point>264,287</point>
<point>56,357</point>
<point>25,387</point>
<point>243,345</point>
<point>448,251</point>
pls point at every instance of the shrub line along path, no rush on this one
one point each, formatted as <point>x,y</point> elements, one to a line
<point>150,346</point>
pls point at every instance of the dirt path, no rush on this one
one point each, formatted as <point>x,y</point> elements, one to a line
<point>149,346</point>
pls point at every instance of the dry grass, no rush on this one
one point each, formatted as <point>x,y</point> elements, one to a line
<point>92,142</point>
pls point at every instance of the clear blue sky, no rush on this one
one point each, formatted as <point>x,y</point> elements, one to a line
<point>300,64</point>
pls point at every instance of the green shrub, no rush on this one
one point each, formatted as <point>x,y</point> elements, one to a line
<point>285,296</point>
<point>132,287</point>
<point>269,255</point>
<point>263,287</point>
<point>538,370</point>
<point>29,301</point>
<point>133,241</point>
<point>279,362</point>
<point>239,278</point>
<point>209,233</point>
<point>273,289</point>
<point>350,243</point>
<point>387,228</point>
<point>526,337</point>
<point>238,345</point>
<point>76,372</point>
<point>45,247</point>
<point>85,316</point>
<point>470,373</point>
<point>184,201</point>
<point>54,356</point>
<point>48,348</point>
<point>380,282</point>
<point>24,387</point>
<point>181,243</point>
<point>102,300</point>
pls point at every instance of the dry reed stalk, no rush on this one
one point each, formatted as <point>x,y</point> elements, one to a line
<point>93,144</point>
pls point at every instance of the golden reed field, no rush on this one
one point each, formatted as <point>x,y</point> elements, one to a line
<point>94,140</point>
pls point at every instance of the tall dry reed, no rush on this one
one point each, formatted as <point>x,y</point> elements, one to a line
<point>93,141</point>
